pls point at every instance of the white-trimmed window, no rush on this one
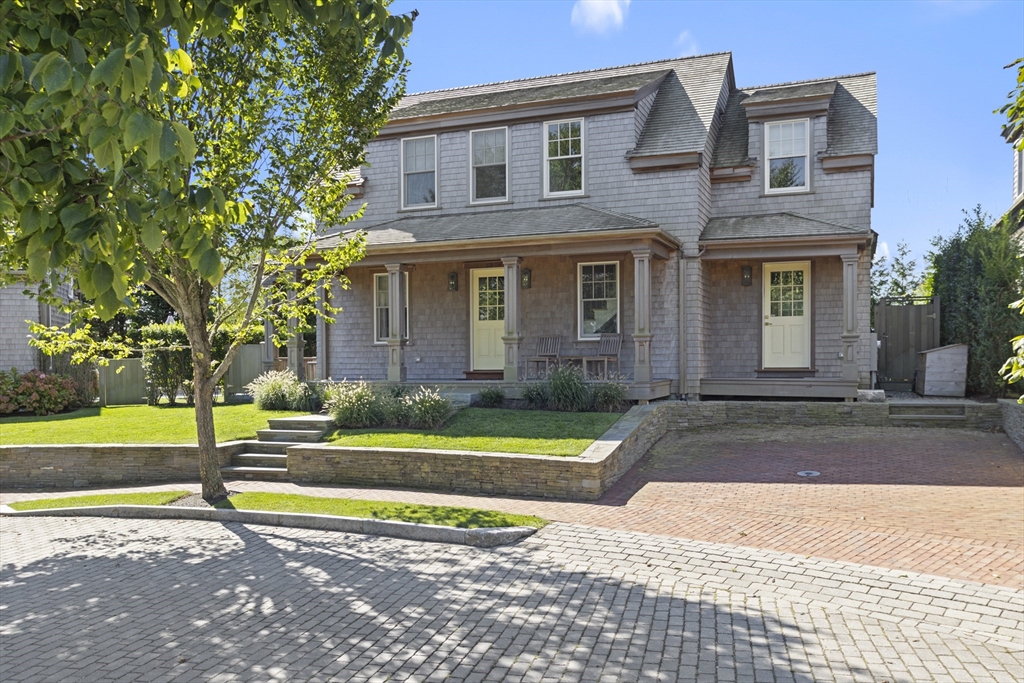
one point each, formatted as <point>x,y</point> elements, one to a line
<point>598,299</point>
<point>788,160</point>
<point>382,309</point>
<point>488,161</point>
<point>563,158</point>
<point>419,177</point>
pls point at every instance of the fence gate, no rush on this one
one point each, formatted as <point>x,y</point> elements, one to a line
<point>125,387</point>
<point>905,327</point>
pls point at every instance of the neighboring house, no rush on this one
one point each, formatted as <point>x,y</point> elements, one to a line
<point>1016,212</point>
<point>723,232</point>
<point>16,309</point>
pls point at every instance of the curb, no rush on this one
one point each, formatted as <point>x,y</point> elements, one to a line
<point>480,538</point>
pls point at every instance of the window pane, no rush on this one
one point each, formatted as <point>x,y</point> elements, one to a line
<point>798,277</point>
<point>776,278</point>
<point>419,188</point>
<point>787,277</point>
<point>776,308</point>
<point>787,172</point>
<point>419,155</point>
<point>787,308</point>
<point>490,182</point>
<point>798,308</point>
<point>565,175</point>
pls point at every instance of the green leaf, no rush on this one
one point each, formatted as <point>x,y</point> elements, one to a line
<point>140,41</point>
<point>210,267</point>
<point>107,304</point>
<point>152,237</point>
<point>100,135</point>
<point>109,70</point>
<point>6,122</point>
<point>37,262</point>
<point>131,15</point>
<point>140,127</point>
<point>218,200</point>
<point>104,154</point>
<point>120,284</point>
<point>168,140</point>
<point>35,103</point>
<point>203,197</point>
<point>57,74</point>
<point>102,276</point>
<point>187,142</point>
<point>73,214</point>
<point>134,212</point>
<point>9,67</point>
<point>32,219</point>
<point>141,76</point>
<point>21,191</point>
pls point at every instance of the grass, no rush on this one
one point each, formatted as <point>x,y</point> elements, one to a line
<point>533,432</point>
<point>463,518</point>
<point>158,498</point>
<point>134,425</point>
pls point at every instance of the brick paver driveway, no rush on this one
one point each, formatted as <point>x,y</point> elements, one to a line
<point>130,600</point>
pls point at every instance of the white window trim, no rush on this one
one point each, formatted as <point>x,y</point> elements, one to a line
<point>1019,189</point>
<point>579,299</point>
<point>583,158</point>
<point>472,176</point>
<point>373,332</point>
<point>401,175</point>
<point>808,171</point>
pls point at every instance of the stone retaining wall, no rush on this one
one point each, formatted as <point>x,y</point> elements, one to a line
<point>1013,420</point>
<point>66,466</point>
<point>584,477</point>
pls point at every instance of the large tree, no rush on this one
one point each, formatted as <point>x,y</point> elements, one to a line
<point>177,145</point>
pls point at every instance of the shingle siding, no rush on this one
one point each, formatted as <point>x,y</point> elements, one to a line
<point>15,309</point>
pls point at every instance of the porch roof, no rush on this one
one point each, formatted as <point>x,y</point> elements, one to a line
<point>775,226</point>
<point>485,228</point>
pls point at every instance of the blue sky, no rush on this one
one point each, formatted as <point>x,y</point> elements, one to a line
<point>939,65</point>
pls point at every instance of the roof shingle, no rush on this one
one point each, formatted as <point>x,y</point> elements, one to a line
<point>774,226</point>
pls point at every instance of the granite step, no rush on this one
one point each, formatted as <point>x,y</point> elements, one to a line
<point>302,422</point>
<point>291,435</point>
<point>271,460</point>
<point>246,472</point>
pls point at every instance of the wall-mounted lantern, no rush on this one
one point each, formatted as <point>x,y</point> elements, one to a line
<point>526,277</point>
<point>453,281</point>
<point>747,276</point>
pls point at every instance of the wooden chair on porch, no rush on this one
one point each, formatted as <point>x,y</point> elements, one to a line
<point>607,352</point>
<point>548,349</point>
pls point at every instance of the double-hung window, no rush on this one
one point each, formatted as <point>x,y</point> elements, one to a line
<point>381,309</point>
<point>563,158</point>
<point>787,156</point>
<point>598,299</point>
<point>489,160</point>
<point>419,179</point>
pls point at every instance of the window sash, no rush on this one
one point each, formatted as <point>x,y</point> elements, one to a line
<point>488,159</point>
<point>787,146</point>
<point>598,299</point>
<point>563,157</point>
<point>382,309</point>
<point>419,172</point>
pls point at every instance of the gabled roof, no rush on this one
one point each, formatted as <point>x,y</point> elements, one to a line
<point>679,120</point>
<point>555,220</point>
<point>775,226</point>
<point>852,116</point>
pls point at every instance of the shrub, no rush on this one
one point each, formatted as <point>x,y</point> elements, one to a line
<point>276,390</point>
<point>607,397</point>
<point>167,361</point>
<point>353,405</point>
<point>84,375</point>
<point>492,397</point>
<point>568,390</point>
<point>37,393</point>
<point>537,395</point>
<point>395,408</point>
<point>429,408</point>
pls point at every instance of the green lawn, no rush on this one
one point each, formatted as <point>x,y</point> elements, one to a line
<point>463,518</point>
<point>134,424</point>
<point>532,432</point>
<point>158,498</point>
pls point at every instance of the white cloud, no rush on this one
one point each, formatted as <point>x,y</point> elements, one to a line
<point>687,45</point>
<point>882,250</point>
<point>598,16</point>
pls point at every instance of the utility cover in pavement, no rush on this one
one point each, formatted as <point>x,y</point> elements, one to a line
<point>808,473</point>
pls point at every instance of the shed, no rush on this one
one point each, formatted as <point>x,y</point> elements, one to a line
<point>942,371</point>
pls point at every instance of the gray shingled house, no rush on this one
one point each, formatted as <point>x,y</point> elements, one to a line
<point>721,234</point>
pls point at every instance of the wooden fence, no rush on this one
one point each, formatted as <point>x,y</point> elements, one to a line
<point>905,326</point>
<point>122,382</point>
<point>247,366</point>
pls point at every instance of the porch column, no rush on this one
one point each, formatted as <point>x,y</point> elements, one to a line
<point>396,320</point>
<point>296,345</point>
<point>850,336</point>
<point>512,337</point>
<point>269,349</point>
<point>642,316</point>
<point>321,333</point>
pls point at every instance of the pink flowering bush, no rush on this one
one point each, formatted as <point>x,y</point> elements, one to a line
<point>37,393</point>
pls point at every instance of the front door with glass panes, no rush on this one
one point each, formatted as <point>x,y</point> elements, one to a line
<point>787,315</point>
<point>488,318</point>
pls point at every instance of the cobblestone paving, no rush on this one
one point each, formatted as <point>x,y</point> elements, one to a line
<point>133,600</point>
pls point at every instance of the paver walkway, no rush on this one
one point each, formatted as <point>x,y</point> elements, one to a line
<point>132,600</point>
<point>938,501</point>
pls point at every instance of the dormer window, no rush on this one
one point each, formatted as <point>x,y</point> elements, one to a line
<point>563,158</point>
<point>419,180</point>
<point>489,176</point>
<point>787,156</point>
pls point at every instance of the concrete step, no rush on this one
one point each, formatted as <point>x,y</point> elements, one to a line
<point>302,422</point>
<point>274,447</point>
<point>462,399</point>
<point>260,460</point>
<point>293,435</point>
<point>925,408</point>
<point>928,420</point>
<point>245,472</point>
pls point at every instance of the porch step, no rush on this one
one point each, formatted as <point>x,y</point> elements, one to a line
<point>246,472</point>
<point>271,447</point>
<point>293,435</point>
<point>908,408</point>
<point>303,422</point>
<point>485,374</point>
<point>261,460</point>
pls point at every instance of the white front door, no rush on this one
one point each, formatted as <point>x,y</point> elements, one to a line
<point>488,321</point>
<point>787,315</point>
